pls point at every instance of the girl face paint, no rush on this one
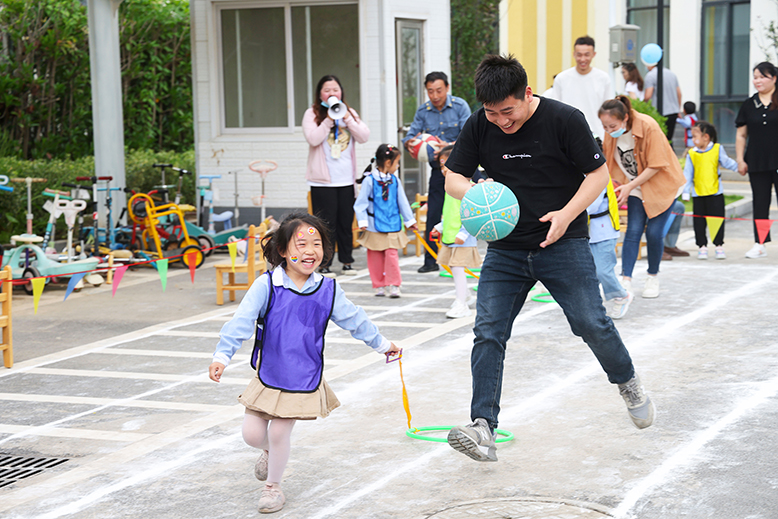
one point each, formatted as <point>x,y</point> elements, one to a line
<point>304,254</point>
<point>311,231</point>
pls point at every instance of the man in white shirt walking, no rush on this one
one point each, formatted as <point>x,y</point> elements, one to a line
<point>584,86</point>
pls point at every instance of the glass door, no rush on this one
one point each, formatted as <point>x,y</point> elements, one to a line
<point>410,94</point>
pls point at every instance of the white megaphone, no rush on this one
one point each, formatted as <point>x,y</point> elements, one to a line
<point>337,108</point>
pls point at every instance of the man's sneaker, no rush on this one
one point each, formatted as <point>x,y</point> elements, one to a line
<point>720,254</point>
<point>260,469</point>
<point>757,251</point>
<point>394,291</point>
<point>639,405</point>
<point>380,292</point>
<point>702,253</point>
<point>271,499</point>
<point>474,440</point>
<point>620,306</point>
<point>459,310</point>
<point>651,288</point>
<point>348,270</point>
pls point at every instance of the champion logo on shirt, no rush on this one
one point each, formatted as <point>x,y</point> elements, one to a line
<point>521,156</point>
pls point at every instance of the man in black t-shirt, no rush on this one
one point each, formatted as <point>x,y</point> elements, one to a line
<point>544,152</point>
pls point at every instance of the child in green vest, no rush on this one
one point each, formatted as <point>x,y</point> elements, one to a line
<point>458,248</point>
<point>703,182</point>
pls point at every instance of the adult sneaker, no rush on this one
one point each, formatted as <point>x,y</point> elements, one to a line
<point>702,254</point>
<point>348,270</point>
<point>626,284</point>
<point>720,254</point>
<point>757,251</point>
<point>651,288</point>
<point>394,291</point>
<point>459,310</point>
<point>271,499</point>
<point>260,469</point>
<point>474,440</point>
<point>620,306</point>
<point>380,292</point>
<point>639,406</point>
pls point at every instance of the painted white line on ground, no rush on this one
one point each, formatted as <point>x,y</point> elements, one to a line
<point>187,333</point>
<point>83,434</point>
<point>421,309</point>
<point>405,295</point>
<point>685,455</point>
<point>114,374</point>
<point>402,324</point>
<point>86,400</point>
<point>165,353</point>
<point>77,351</point>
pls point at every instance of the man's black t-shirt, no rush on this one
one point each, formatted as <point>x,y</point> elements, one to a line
<point>543,163</point>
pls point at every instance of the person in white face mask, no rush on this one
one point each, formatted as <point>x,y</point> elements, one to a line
<point>641,160</point>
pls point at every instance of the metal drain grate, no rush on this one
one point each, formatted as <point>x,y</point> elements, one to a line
<point>15,468</point>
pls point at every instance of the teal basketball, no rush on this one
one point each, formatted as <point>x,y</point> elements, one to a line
<point>489,211</point>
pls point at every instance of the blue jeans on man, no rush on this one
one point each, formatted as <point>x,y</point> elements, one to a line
<point>566,269</point>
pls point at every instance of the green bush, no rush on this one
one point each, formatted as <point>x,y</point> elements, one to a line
<point>644,107</point>
<point>140,175</point>
<point>45,89</point>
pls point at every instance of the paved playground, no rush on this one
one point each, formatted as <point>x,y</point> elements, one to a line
<point>117,387</point>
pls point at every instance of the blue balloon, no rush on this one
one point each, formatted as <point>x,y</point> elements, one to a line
<point>651,53</point>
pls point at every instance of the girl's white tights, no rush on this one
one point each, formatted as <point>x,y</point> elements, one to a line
<point>460,283</point>
<point>274,438</point>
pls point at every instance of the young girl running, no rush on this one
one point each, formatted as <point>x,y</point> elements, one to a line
<point>291,306</point>
<point>458,247</point>
<point>381,209</point>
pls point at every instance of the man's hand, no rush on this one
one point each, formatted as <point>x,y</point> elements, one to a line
<point>559,223</point>
<point>407,143</point>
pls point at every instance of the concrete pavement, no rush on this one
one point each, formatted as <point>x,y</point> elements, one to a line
<point>117,387</point>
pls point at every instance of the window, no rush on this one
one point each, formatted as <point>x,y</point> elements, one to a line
<point>643,13</point>
<point>725,64</point>
<point>261,88</point>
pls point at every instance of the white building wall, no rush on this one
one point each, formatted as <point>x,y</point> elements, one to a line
<point>685,42</point>
<point>762,13</point>
<point>219,153</point>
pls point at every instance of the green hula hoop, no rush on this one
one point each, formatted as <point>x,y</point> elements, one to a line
<point>506,435</point>
<point>543,297</point>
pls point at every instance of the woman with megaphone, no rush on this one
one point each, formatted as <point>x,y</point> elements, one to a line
<point>331,127</point>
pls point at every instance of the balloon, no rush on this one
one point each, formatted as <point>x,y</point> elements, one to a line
<point>650,54</point>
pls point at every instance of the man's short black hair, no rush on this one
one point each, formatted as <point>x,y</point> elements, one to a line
<point>584,40</point>
<point>689,107</point>
<point>434,76</point>
<point>498,77</point>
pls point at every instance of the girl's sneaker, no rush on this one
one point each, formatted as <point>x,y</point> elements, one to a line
<point>380,292</point>
<point>394,291</point>
<point>720,254</point>
<point>459,310</point>
<point>271,499</point>
<point>260,469</point>
<point>702,253</point>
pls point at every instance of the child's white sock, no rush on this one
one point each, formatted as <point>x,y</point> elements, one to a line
<point>460,283</point>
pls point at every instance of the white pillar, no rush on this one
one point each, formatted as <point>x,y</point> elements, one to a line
<point>107,115</point>
<point>685,36</point>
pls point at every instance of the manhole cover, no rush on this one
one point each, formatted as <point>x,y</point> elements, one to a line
<point>523,508</point>
<point>14,468</point>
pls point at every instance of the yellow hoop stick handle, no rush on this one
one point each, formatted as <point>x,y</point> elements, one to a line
<point>406,405</point>
<point>424,242</point>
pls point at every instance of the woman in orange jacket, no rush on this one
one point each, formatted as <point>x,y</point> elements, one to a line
<point>642,161</point>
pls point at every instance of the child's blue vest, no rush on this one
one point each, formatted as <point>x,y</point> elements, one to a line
<point>386,210</point>
<point>291,340</point>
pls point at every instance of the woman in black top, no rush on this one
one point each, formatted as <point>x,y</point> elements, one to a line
<point>757,122</point>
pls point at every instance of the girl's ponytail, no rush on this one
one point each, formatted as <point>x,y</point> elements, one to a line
<point>367,171</point>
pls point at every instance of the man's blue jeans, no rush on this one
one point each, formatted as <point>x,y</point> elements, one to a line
<point>566,268</point>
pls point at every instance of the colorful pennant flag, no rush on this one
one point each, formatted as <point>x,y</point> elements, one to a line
<point>162,271</point>
<point>191,260</point>
<point>233,248</point>
<point>117,278</point>
<point>762,229</point>
<point>714,224</point>
<point>37,290</point>
<point>74,279</point>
